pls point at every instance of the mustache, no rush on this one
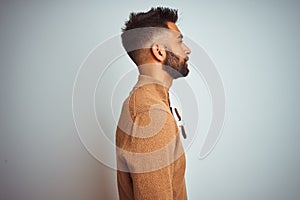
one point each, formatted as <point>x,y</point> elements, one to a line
<point>186,59</point>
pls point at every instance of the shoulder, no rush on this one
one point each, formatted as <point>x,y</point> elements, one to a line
<point>145,98</point>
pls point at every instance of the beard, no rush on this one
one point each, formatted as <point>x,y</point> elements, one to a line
<point>174,66</point>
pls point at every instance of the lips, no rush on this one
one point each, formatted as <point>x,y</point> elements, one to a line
<point>186,59</point>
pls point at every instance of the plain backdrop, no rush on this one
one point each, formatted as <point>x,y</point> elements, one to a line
<point>254,44</point>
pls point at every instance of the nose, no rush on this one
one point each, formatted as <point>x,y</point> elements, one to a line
<point>187,50</point>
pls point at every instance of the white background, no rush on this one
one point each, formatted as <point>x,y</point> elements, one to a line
<point>254,44</point>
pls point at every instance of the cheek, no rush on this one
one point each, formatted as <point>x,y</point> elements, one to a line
<point>179,50</point>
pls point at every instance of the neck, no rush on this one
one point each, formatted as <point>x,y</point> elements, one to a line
<point>156,71</point>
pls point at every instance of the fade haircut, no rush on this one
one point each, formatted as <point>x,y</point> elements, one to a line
<point>140,29</point>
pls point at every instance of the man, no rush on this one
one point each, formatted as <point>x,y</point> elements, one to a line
<point>150,156</point>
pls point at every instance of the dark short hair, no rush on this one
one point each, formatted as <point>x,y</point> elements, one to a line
<point>155,17</point>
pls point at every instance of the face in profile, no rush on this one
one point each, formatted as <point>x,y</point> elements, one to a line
<point>176,54</point>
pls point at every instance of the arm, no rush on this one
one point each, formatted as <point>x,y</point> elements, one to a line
<point>150,160</point>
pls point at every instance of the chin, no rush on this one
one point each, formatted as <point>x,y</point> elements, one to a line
<point>184,71</point>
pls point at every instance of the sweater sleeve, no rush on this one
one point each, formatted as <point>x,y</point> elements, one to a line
<point>151,162</point>
<point>153,185</point>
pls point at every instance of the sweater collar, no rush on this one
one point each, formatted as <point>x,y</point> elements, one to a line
<point>161,89</point>
<point>144,79</point>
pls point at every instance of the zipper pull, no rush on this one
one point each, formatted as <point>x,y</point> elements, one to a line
<point>183,131</point>
<point>181,123</point>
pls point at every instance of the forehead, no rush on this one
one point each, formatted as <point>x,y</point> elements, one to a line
<point>173,26</point>
<point>174,29</point>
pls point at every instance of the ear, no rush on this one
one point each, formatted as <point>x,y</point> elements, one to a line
<point>158,52</point>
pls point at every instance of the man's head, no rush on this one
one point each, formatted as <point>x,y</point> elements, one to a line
<point>153,37</point>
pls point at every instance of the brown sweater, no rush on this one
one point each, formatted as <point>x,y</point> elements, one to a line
<point>150,156</point>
